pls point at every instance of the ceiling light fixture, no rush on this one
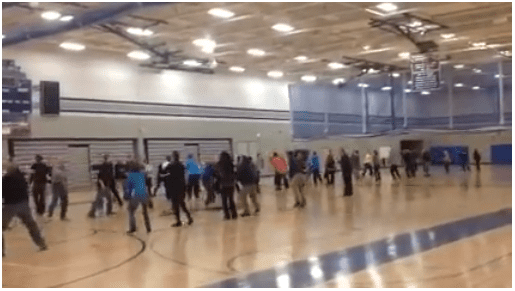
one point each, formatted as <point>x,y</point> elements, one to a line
<point>458,85</point>
<point>477,71</point>
<point>237,69</point>
<point>497,76</point>
<point>256,52</point>
<point>404,55</point>
<point>367,47</point>
<point>50,15</point>
<point>387,7</point>
<point>386,88</point>
<point>222,13</point>
<point>476,88</point>
<point>204,42</point>
<point>309,78</point>
<point>447,35</point>
<point>282,27</point>
<point>138,55</point>
<point>139,32</point>
<point>335,66</point>
<point>66,18</point>
<point>191,63</point>
<point>425,92</point>
<point>396,75</point>
<point>407,90</point>
<point>275,74</point>
<point>72,46</point>
<point>478,44</point>
<point>338,81</point>
<point>459,66</point>
<point>363,85</point>
<point>301,58</point>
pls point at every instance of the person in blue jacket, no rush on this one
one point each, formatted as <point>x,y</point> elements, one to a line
<point>194,172</point>
<point>136,194</point>
<point>208,181</point>
<point>315,168</point>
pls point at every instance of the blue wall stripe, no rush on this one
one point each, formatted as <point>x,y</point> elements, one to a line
<point>376,252</point>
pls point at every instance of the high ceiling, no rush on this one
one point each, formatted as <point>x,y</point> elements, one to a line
<point>323,32</point>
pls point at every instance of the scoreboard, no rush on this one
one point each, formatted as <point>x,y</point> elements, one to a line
<point>17,99</point>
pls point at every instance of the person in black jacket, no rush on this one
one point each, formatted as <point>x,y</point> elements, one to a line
<point>330,168</point>
<point>346,167</point>
<point>477,159</point>
<point>107,175</point>
<point>176,185</point>
<point>247,175</point>
<point>426,159</point>
<point>224,173</point>
<point>39,180</point>
<point>16,203</point>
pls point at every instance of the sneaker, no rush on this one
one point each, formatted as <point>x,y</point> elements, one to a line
<point>178,224</point>
<point>297,204</point>
<point>149,230</point>
<point>65,219</point>
<point>91,215</point>
<point>245,214</point>
<point>190,221</point>
<point>227,218</point>
<point>43,248</point>
<point>131,231</point>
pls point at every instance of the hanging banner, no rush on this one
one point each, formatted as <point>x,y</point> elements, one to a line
<point>425,72</point>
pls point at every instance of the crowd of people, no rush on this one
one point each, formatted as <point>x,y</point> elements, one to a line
<point>182,181</point>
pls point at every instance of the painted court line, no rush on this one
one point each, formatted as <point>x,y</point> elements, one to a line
<point>326,267</point>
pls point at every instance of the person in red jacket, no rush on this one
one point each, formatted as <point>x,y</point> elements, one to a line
<point>280,168</point>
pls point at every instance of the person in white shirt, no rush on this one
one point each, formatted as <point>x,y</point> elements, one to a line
<point>149,174</point>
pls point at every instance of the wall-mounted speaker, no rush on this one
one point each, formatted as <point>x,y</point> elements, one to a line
<point>49,98</point>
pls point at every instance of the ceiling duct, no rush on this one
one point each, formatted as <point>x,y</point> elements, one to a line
<point>410,26</point>
<point>89,18</point>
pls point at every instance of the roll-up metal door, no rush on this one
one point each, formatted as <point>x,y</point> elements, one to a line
<point>118,150</point>
<point>73,153</point>
<point>209,150</point>
<point>157,151</point>
<point>25,152</point>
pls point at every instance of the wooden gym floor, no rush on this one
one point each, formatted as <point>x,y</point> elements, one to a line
<point>423,232</point>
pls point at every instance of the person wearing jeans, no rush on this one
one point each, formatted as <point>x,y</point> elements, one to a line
<point>102,193</point>
<point>194,172</point>
<point>16,204</point>
<point>136,194</point>
<point>315,168</point>
<point>60,190</point>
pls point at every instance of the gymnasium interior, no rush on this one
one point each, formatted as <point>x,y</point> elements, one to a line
<point>140,80</point>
